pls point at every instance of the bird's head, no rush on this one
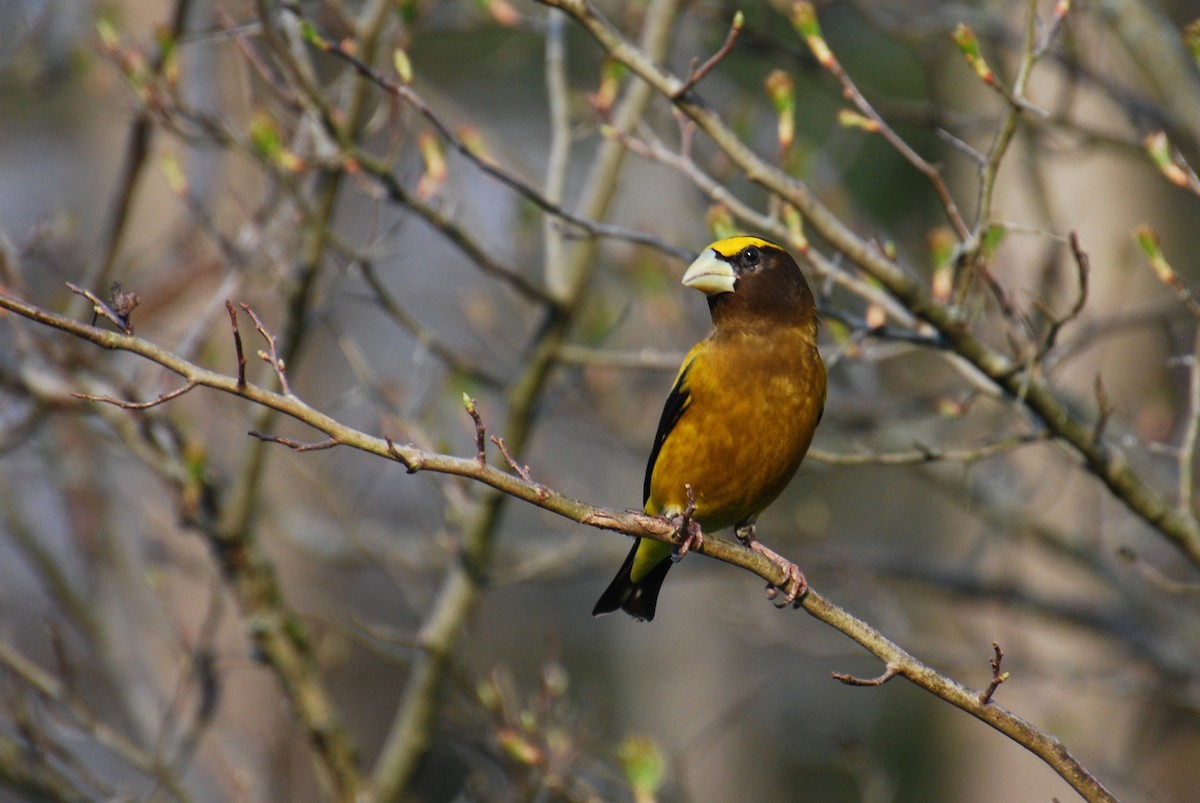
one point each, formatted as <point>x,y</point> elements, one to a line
<point>749,280</point>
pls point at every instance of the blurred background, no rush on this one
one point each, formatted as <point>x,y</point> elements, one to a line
<point>196,152</point>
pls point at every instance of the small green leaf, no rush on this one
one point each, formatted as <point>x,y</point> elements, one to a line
<point>804,20</point>
<point>992,238</point>
<point>312,36</point>
<point>968,44</point>
<point>403,66</point>
<point>643,764</point>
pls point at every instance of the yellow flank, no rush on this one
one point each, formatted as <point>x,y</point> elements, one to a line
<point>755,398</point>
<point>650,553</point>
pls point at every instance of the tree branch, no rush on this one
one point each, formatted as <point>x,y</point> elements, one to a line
<point>630,522</point>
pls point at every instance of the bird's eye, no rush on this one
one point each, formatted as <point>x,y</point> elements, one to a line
<point>751,255</point>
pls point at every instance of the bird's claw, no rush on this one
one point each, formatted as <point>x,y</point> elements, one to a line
<point>794,586</point>
<point>692,536</point>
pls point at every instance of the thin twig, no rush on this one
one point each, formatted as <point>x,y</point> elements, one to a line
<point>1003,137</point>
<point>930,454</point>
<point>101,308</point>
<point>425,338</point>
<point>128,405</point>
<point>890,671</point>
<point>480,431</point>
<point>1155,576</point>
<point>697,73</point>
<point>962,147</point>
<point>381,172</point>
<point>295,445</point>
<point>237,344</point>
<point>998,677</point>
<point>522,471</point>
<point>850,90</point>
<point>139,145</point>
<point>271,356</point>
<point>1083,270</point>
<point>409,96</point>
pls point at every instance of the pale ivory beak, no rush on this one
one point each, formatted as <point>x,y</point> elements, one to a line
<point>710,274</point>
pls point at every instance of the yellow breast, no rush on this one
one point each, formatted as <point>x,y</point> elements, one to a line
<point>754,403</point>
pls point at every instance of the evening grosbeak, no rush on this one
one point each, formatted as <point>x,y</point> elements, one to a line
<point>739,419</point>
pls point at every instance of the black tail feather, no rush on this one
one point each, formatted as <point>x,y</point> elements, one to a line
<point>636,599</point>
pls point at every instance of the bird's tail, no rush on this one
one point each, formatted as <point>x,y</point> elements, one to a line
<point>637,598</point>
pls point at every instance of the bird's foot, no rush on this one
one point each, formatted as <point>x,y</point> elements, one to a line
<point>687,527</point>
<point>692,537</point>
<point>794,586</point>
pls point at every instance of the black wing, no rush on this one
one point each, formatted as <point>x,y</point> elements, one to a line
<point>676,403</point>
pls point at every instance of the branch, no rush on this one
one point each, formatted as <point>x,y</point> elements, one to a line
<point>139,145</point>
<point>278,634</point>
<point>804,18</point>
<point>928,454</point>
<point>52,689</point>
<point>898,662</point>
<point>409,96</point>
<point>117,312</point>
<point>630,522</point>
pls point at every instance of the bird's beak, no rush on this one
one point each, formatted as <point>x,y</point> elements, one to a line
<point>710,274</point>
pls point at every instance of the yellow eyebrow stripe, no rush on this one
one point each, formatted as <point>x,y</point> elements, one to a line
<point>732,245</point>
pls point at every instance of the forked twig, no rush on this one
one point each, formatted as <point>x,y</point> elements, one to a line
<point>696,73</point>
<point>271,356</point>
<point>1083,267</point>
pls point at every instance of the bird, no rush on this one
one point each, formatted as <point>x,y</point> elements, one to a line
<point>738,420</point>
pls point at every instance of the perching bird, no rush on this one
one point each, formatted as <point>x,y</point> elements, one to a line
<point>739,419</point>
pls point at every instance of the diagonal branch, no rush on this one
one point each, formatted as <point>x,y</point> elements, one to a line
<point>631,522</point>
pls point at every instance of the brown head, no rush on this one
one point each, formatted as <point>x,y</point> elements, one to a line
<point>752,282</point>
